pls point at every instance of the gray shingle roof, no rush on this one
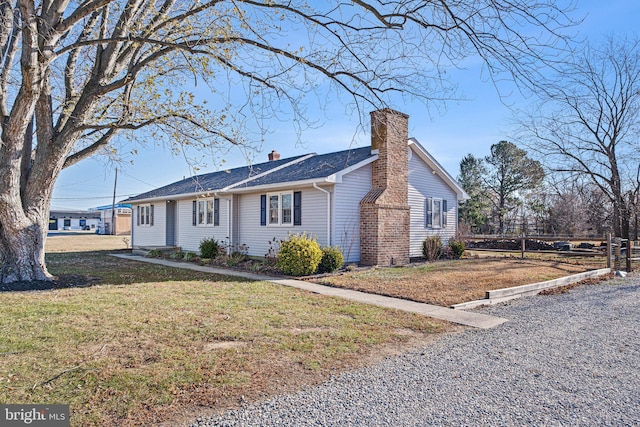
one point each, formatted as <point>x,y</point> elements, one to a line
<point>318,166</point>
<point>211,181</point>
<point>315,167</point>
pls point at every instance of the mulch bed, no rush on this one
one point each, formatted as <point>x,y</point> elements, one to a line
<point>60,282</point>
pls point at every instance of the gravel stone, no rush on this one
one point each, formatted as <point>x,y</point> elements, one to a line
<point>566,359</point>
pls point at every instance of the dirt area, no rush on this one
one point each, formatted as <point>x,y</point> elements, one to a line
<point>451,282</point>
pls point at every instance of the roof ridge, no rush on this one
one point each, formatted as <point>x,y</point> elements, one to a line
<point>277,168</point>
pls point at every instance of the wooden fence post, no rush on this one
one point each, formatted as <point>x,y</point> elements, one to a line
<point>617,248</point>
<point>609,244</point>
<point>522,246</point>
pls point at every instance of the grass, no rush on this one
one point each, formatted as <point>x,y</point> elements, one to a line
<point>147,344</point>
<point>451,282</point>
<point>85,242</point>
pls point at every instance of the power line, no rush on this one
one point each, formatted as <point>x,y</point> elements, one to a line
<point>137,179</point>
<point>94,197</point>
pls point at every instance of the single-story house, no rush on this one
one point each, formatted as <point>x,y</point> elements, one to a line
<point>377,203</point>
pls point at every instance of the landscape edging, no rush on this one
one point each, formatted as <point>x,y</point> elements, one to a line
<point>505,294</point>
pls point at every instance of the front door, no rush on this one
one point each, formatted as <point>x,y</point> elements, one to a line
<point>172,207</point>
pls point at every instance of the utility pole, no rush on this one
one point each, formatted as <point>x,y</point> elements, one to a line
<point>113,206</point>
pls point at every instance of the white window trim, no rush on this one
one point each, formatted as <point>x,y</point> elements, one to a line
<point>145,215</point>
<point>205,204</point>
<point>280,210</point>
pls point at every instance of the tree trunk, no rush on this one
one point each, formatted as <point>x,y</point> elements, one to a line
<point>22,250</point>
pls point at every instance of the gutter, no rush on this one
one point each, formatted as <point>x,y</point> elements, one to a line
<point>182,196</point>
<point>328,211</point>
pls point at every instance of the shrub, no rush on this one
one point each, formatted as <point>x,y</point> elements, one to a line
<point>352,267</point>
<point>432,248</point>
<point>190,256</point>
<point>178,254</point>
<point>209,248</point>
<point>235,258</point>
<point>332,259</point>
<point>272,253</point>
<point>457,248</point>
<point>155,253</point>
<point>299,256</point>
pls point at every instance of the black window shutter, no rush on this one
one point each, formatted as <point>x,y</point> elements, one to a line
<point>151,214</point>
<point>444,213</point>
<point>263,209</point>
<point>429,210</point>
<point>216,212</point>
<point>194,213</point>
<point>297,208</point>
<point>138,213</point>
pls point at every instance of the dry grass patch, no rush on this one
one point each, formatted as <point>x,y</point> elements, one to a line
<point>451,282</point>
<point>150,344</point>
<point>85,242</point>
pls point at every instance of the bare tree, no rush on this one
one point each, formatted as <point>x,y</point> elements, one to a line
<point>577,207</point>
<point>79,77</point>
<point>586,124</point>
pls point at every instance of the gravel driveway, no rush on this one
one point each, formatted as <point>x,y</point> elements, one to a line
<point>569,359</point>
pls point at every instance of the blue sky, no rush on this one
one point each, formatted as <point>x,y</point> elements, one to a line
<point>463,127</point>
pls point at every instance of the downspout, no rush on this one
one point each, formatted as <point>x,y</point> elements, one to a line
<point>133,222</point>
<point>229,237</point>
<point>229,226</point>
<point>328,193</point>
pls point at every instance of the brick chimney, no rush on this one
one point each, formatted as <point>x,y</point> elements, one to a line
<point>274,155</point>
<point>384,211</point>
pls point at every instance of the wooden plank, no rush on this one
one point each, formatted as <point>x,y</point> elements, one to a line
<point>534,288</point>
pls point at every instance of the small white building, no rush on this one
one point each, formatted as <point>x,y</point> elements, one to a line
<point>73,220</point>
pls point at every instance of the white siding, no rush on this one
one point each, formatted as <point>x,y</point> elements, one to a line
<point>257,237</point>
<point>422,185</point>
<point>188,236</point>
<point>346,226</point>
<point>150,235</point>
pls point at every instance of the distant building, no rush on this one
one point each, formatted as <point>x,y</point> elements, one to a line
<point>73,220</point>
<point>122,219</point>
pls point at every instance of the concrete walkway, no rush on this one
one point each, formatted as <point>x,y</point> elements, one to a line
<point>475,320</point>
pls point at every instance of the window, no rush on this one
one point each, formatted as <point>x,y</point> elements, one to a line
<point>436,207</point>
<point>145,215</point>
<point>67,223</point>
<point>274,208</point>
<point>200,212</point>
<point>206,212</point>
<point>436,213</point>
<point>281,208</point>
<point>286,200</point>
